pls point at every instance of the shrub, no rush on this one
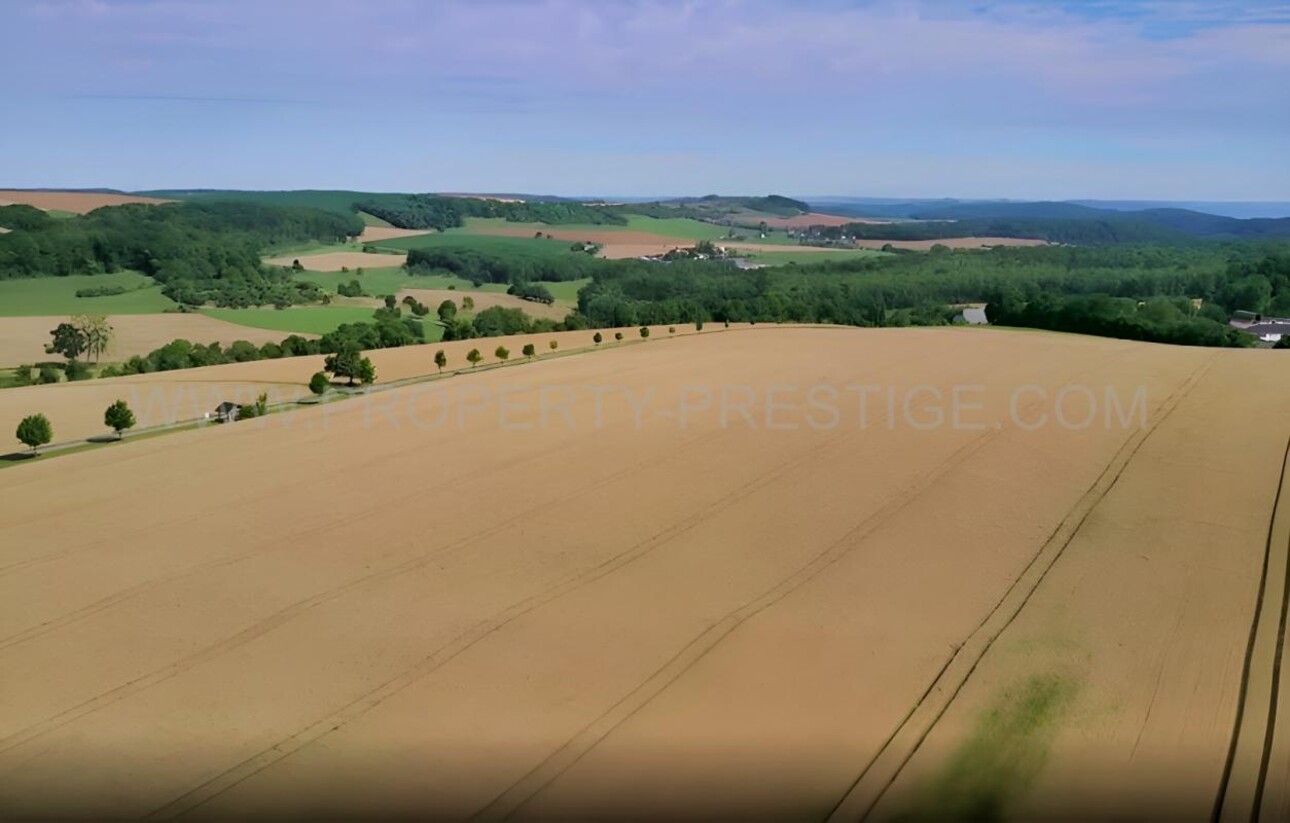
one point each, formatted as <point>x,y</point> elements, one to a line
<point>474,357</point>
<point>644,332</point>
<point>76,370</point>
<point>618,335</point>
<point>553,345</point>
<point>671,329</point>
<point>502,353</point>
<point>48,374</point>
<point>529,350</point>
<point>597,338</point>
<point>318,384</point>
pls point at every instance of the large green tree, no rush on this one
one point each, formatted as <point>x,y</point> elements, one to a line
<point>34,431</point>
<point>118,417</point>
<point>69,341</point>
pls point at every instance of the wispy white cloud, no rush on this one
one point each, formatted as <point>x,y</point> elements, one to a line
<point>686,77</point>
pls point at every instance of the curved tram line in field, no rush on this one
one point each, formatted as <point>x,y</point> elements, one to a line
<point>1245,774</point>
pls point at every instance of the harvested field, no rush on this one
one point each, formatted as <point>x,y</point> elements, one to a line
<point>603,237</point>
<point>23,339</point>
<point>337,260</point>
<point>168,397</point>
<point>73,201</point>
<point>389,605</point>
<point>487,299</point>
<point>373,233</point>
<point>803,221</point>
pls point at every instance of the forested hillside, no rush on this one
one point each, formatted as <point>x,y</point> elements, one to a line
<point>917,289</point>
<point>201,252</point>
<point>430,211</point>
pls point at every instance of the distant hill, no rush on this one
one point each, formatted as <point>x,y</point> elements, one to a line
<point>1060,219</point>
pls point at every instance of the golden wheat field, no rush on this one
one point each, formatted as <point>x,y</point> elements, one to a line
<point>23,339</point>
<point>79,202</point>
<point>759,572</point>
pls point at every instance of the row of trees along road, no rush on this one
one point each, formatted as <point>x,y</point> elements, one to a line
<point>35,430</point>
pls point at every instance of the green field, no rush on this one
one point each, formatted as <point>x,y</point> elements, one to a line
<point>298,319</point>
<point>389,280</point>
<point>33,296</point>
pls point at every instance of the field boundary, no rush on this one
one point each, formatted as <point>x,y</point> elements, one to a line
<point>881,772</point>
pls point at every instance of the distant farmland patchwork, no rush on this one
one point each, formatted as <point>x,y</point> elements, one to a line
<point>704,615</point>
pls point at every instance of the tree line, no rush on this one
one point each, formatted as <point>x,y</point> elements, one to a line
<point>919,289</point>
<point>481,267</point>
<point>431,211</point>
<point>201,252</point>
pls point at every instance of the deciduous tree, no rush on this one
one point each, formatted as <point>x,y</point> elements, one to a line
<point>34,431</point>
<point>118,417</point>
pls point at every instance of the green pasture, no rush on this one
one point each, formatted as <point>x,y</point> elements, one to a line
<point>32,296</point>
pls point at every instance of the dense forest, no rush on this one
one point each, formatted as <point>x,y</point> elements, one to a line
<point>201,252</point>
<point>479,267</point>
<point>917,289</point>
<point>1077,232</point>
<point>430,211</point>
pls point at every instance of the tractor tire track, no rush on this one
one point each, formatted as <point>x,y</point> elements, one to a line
<point>1241,788</point>
<point>881,772</point>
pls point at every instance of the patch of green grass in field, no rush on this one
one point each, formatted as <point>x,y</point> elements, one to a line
<point>1002,757</point>
<point>310,319</point>
<point>567,290</point>
<point>388,280</point>
<point>31,296</point>
<point>301,319</point>
<point>373,220</point>
<point>59,214</point>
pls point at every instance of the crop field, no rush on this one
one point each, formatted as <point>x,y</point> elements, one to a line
<point>803,221</point>
<point>728,600</point>
<point>23,339</point>
<point>389,279</point>
<point>76,202</point>
<point>305,320</point>
<point>57,295</point>
<point>323,260</point>
<point>374,234</point>
<point>76,409</point>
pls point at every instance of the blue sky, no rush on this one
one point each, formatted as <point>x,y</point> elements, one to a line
<point>1139,99</point>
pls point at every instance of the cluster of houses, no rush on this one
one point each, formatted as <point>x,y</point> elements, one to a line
<point>1268,330</point>
<point>705,250</point>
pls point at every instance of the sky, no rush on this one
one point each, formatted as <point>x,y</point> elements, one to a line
<point>1111,99</point>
